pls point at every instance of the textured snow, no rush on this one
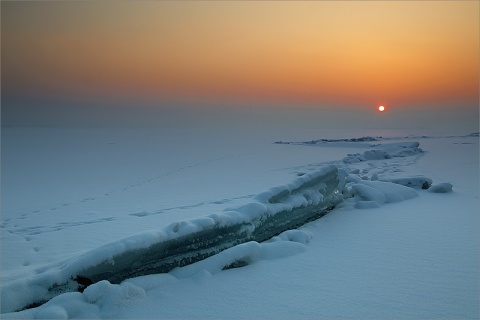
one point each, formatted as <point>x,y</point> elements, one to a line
<point>392,192</point>
<point>441,188</point>
<point>409,253</point>
<point>372,194</point>
<point>414,182</point>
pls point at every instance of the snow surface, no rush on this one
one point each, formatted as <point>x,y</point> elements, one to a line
<point>417,258</point>
<point>441,188</point>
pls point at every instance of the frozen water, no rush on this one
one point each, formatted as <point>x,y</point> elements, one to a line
<point>413,258</point>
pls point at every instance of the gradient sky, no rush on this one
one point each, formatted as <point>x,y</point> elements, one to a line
<point>62,58</point>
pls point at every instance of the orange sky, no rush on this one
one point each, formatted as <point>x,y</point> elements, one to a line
<point>321,52</point>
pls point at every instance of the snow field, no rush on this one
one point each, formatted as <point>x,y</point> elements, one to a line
<point>92,186</point>
<point>410,259</point>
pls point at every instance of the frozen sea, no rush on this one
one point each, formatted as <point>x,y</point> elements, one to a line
<point>68,191</point>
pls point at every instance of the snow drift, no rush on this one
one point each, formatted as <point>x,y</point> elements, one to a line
<point>386,151</point>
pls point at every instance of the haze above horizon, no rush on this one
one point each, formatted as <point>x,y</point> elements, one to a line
<point>96,59</point>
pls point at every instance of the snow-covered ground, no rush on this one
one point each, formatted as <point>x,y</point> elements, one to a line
<point>387,251</point>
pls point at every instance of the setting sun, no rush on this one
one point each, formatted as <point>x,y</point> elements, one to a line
<point>381,108</point>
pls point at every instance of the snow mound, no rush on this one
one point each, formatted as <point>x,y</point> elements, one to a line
<point>401,149</point>
<point>376,155</point>
<point>300,236</point>
<point>372,194</point>
<point>441,188</point>
<point>366,193</point>
<point>100,300</point>
<point>392,192</point>
<point>112,297</point>
<point>386,151</point>
<point>414,182</point>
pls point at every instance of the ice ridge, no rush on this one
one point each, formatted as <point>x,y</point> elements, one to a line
<point>181,243</point>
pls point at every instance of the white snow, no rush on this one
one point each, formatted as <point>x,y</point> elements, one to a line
<point>414,182</point>
<point>367,193</point>
<point>441,188</point>
<point>392,192</point>
<point>75,199</point>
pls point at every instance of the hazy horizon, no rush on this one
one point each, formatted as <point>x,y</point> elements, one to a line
<point>204,63</point>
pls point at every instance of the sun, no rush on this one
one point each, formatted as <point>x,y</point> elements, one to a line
<point>381,108</point>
